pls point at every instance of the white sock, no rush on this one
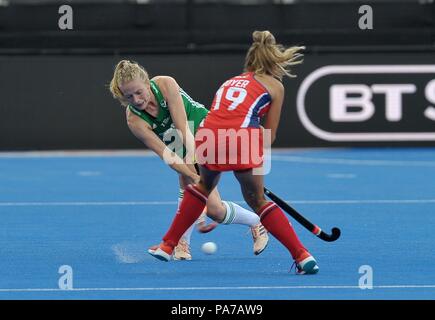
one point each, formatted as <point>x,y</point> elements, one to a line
<point>188,233</point>
<point>180,198</point>
<point>238,215</point>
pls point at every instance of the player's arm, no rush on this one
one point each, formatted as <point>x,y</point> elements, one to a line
<point>171,92</point>
<point>276,90</point>
<point>144,133</point>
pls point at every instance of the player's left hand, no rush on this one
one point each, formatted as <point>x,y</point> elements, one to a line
<point>202,225</point>
<point>205,228</point>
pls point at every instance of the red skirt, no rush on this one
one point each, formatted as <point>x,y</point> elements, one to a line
<point>230,149</point>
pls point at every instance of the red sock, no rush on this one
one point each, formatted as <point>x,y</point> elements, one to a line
<point>274,220</point>
<point>190,209</point>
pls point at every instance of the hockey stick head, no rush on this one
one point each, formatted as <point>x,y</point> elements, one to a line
<point>330,237</point>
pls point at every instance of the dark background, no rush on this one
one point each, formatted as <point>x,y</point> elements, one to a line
<point>53,83</point>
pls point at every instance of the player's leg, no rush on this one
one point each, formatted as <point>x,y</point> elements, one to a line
<point>227,212</point>
<point>194,201</point>
<point>274,220</point>
<point>182,250</point>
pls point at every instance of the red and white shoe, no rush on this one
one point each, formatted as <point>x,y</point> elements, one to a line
<point>162,251</point>
<point>306,264</point>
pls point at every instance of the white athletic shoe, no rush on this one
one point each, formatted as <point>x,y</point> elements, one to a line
<point>261,238</point>
<point>182,251</point>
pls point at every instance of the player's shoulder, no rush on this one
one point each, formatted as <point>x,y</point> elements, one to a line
<point>130,116</point>
<point>166,84</point>
<point>272,81</point>
<point>135,122</point>
<point>164,81</point>
<point>273,85</point>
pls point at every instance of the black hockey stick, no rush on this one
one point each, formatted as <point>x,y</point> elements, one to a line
<point>299,218</point>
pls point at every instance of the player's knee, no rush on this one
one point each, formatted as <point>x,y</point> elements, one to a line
<point>254,200</point>
<point>216,212</point>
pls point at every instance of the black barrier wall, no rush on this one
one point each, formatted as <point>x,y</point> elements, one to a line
<point>344,99</point>
<point>175,25</point>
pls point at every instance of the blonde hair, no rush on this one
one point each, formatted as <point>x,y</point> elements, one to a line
<point>126,71</point>
<point>265,56</point>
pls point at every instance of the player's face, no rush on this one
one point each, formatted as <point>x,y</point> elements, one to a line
<point>137,93</point>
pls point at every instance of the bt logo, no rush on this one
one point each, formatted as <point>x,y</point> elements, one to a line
<point>369,103</point>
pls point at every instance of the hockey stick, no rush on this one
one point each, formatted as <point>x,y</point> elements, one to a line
<point>299,218</point>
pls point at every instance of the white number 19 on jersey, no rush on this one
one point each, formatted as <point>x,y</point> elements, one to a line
<point>235,95</point>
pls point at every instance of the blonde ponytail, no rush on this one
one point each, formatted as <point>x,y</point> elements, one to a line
<point>265,56</point>
<point>126,71</point>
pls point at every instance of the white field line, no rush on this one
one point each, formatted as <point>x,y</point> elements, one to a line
<point>276,156</point>
<point>77,153</point>
<point>164,203</point>
<point>333,287</point>
<point>387,163</point>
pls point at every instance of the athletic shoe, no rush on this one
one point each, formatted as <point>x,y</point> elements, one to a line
<point>261,238</point>
<point>182,251</point>
<point>306,264</point>
<point>162,251</point>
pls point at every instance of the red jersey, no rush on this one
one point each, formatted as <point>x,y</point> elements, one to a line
<point>240,102</point>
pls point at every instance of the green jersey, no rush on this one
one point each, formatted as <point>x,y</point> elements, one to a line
<point>163,126</point>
